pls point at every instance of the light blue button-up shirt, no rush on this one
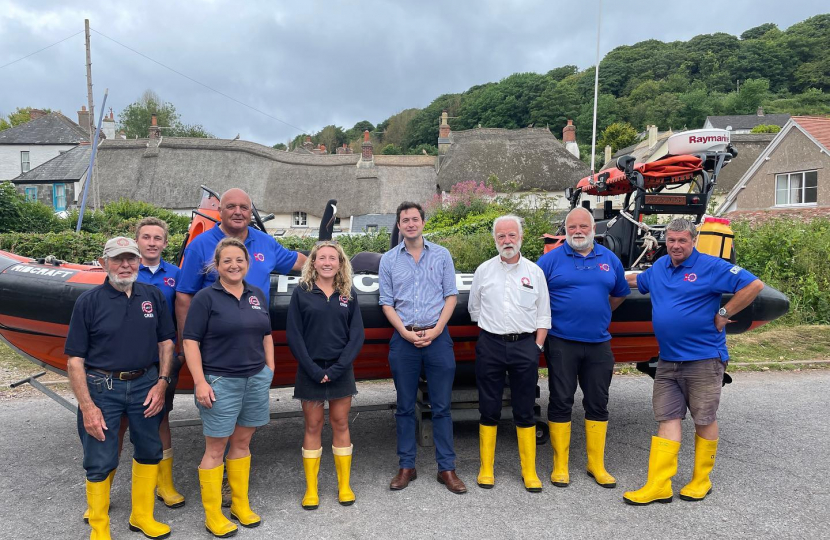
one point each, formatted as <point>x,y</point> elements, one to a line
<point>417,289</point>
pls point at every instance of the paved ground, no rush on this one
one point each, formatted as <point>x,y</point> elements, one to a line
<point>770,479</point>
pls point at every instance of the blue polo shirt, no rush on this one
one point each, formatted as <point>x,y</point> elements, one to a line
<point>229,331</point>
<point>685,300</point>
<point>579,287</point>
<point>115,332</point>
<point>166,278</point>
<point>267,256</point>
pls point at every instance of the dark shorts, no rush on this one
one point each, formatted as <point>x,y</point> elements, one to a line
<point>693,385</point>
<point>171,388</point>
<point>307,389</point>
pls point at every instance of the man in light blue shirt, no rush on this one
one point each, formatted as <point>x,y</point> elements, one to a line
<point>418,295</point>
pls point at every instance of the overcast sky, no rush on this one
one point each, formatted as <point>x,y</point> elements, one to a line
<point>314,63</point>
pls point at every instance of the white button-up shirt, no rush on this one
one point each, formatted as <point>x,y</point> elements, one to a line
<point>509,298</point>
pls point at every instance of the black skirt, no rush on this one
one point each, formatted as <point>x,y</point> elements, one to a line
<point>307,389</point>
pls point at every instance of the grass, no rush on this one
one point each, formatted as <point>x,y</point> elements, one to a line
<point>776,346</point>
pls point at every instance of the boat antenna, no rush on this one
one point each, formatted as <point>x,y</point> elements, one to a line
<point>91,162</point>
<point>596,94</point>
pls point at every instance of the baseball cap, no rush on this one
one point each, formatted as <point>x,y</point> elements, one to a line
<point>120,244</point>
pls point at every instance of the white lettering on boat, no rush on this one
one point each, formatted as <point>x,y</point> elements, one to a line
<point>368,283</point>
<point>40,271</point>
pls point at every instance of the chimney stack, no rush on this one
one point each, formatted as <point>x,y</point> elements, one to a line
<point>759,112</point>
<point>343,150</point>
<point>607,153</point>
<point>444,134</point>
<point>155,130</point>
<point>307,144</point>
<point>569,138</point>
<point>652,136</point>
<point>83,118</point>
<point>36,113</point>
<point>108,126</point>
<point>366,148</point>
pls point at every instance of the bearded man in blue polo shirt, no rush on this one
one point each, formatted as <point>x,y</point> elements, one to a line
<point>686,288</point>
<point>586,282</point>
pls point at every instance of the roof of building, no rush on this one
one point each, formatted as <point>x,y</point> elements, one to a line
<point>53,128</point>
<point>169,175</point>
<point>532,157</point>
<point>747,121</point>
<point>749,147</point>
<point>640,150</point>
<point>68,166</point>
<point>818,127</point>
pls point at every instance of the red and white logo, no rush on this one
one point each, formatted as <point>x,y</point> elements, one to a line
<point>691,278</point>
<point>605,267</point>
<point>259,256</point>
<point>253,300</point>
<point>344,301</point>
<point>526,281</point>
<point>170,282</point>
<point>147,307</point>
<point>122,242</point>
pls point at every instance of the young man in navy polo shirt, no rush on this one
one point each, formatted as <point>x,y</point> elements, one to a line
<point>117,332</point>
<point>686,288</point>
<point>586,282</point>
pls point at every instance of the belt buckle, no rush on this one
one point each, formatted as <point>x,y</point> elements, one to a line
<point>121,375</point>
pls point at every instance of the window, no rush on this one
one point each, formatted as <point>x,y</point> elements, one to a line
<point>59,197</point>
<point>25,165</point>
<point>371,228</point>
<point>31,193</point>
<point>796,188</point>
<point>300,219</point>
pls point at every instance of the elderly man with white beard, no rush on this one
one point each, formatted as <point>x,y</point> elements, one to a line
<point>117,332</point>
<point>509,300</point>
<point>586,282</point>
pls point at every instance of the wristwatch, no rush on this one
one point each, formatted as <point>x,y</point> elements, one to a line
<point>541,347</point>
<point>168,379</point>
<point>723,313</point>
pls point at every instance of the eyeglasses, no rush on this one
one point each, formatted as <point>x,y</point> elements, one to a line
<point>583,267</point>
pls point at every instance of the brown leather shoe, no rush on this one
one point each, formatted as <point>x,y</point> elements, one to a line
<point>452,481</point>
<point>403,478</point>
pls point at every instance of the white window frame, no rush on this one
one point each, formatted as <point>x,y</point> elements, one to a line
<point>300,219</point>
<point>789,189</point>
<point>30,189</point>
<point>25,161</point>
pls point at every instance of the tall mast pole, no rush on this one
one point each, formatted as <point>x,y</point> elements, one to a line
<point>596,95</point>
<point>91,104</point>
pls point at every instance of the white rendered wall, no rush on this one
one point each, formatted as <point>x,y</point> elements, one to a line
<point>38,155</point>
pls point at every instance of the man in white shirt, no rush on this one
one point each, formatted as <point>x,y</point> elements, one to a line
<point>509,300</point>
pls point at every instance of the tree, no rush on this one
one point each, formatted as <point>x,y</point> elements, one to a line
<point>758,31</point>
<point>331,136</point>
<point>391,150</point>
<point>766,128</point>
<point>136,118</point>
<point>280,146</point>
<point>617,135</point>
<point>396,128</point>
<point>752,94</point>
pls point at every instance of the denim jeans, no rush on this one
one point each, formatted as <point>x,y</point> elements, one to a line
<point>116,398</point>
<point>438,361</point>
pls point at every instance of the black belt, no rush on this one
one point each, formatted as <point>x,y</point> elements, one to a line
<point>416,328</point>
<point>121,375</point>
<point>510,337</point>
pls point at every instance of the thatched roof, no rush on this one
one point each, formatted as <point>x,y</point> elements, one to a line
<point>169,175</point>
<point>533,157</point>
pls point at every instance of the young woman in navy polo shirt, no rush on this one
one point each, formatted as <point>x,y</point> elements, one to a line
<point>230,353</point>
<point>325,334</point>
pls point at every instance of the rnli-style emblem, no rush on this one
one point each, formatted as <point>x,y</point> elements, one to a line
<point>147,308</point>
<point>170,282</point>
<point>254,301</point>
<point>735,269</point>
<point>344,301</point>
<point>122,242</point>
<point>691,278</point>
<point>259,256</point>
<point>526,283</point>
<point>605,267</point>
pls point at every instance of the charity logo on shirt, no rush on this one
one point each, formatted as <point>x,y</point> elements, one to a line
<point>259,256</point>
<point>147,308</point>
<point>344,301</point>
<point>254,301</point>
<point>735,269</point>
<point>605,267</point>
<point>691,278</point>
<point>526,283</point>
<point>170,282</point>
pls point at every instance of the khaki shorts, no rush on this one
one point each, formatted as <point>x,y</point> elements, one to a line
<point>693,385</point>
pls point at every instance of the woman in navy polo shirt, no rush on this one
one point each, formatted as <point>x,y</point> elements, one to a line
<point>325,334</point>
<point>229,351</point>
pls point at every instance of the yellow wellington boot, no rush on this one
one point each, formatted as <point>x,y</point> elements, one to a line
<point>311,465</point>
<point>210,482</point>
<point>662,466</point>
<point>701,485</point>
<point>560,440</point>
<point>165,491</point>
<point>109,487</point>
<point>595,445</point>
<point>144,486</point>
<point>239,474</point>
<point>527,457</point>
<point>487,449</point>
<point>98,503</point>
<point>343,465</point>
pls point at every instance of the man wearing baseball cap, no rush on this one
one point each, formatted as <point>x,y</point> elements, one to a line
<point>114,334</point>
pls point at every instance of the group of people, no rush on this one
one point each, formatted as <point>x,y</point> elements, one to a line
<point>123,363</point>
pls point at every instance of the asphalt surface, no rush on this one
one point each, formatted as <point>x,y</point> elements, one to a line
<point>770,480</point>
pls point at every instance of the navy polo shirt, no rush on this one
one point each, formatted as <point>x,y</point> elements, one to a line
<point>579,287</point>
<point>324,328</point>
<point>115,332</point>
<point>229,331</point>
<point>685,300</point>
<point>267,255</point>
<point>166,278</point>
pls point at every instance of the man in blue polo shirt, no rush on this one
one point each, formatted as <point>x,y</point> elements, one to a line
<point>686,288</point>
<point>117,332</point>
<point>586,282</point>
<point>418,295</point>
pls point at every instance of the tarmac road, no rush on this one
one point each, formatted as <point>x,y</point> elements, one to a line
<point>770,480</point>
